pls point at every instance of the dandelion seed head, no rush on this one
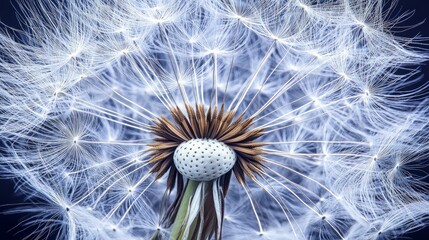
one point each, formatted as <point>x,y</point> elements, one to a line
<point>112,112</point>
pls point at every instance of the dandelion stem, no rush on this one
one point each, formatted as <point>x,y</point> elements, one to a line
<point>178,225</point>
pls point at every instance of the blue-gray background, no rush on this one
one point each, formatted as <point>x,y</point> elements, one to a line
<point>7,191</point>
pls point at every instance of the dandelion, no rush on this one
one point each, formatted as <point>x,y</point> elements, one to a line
<point>232,119</point>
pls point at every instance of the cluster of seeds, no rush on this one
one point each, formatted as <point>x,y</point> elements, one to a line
<point>203,159</point>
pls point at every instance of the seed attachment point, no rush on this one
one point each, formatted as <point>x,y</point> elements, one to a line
<point>204,159</point>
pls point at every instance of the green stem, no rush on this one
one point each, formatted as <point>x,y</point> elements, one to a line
<point>178,229</point>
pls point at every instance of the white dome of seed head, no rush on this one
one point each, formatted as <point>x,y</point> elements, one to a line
<point>204,159</point>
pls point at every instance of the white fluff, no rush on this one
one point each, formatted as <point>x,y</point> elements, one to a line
<point>347,137</point>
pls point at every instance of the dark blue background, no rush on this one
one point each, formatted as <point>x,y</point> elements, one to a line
<point>8,195</point>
